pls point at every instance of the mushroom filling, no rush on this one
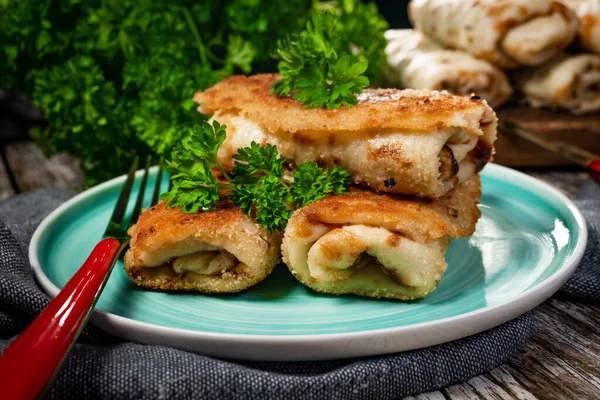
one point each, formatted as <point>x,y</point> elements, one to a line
<point>454,152</point>
<point>341,251</point>
<point>467,82</point>
<point>587,85</point>
<point>205,262</point>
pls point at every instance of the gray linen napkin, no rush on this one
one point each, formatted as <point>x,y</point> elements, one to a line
<point>585,282</point>
<point>102,366</point>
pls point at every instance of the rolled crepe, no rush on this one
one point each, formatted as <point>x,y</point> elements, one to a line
<point>508,33</point>
<point>409,142</point>
<point>221,251</point>
<point>588,13</point>
<point>570,82</point>
<point>377,245</point>
<point>415,61</point>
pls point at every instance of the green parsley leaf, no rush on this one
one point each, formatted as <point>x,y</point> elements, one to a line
<point>256,160</point>
<point>257,186</point>
<point>311,183</point>
<point>267,200</point>
<point>317,70</point>
<point>193,191</point>
<point>192,161</point>
<point>361,28</point>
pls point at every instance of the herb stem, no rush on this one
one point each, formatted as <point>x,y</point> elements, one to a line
<point>222,171</point>
<point>199,43</point>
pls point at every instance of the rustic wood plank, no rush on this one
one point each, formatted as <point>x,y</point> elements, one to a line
<point>463,391</point>
<point>579,130</point>
<point>488,389</point>
<point>585,314</point>
<point>6,188</point>
<point>502,376</point>
<point>574,343</point>
<point>428,396</point>
<point>31,170</point>
<point>548,370</point>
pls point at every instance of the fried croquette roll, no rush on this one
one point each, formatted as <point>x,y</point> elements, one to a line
<point>414,142</point>
<point>378,245</point>
<point>588,13</point>
<point>417,62</point>
<point>570,82</point>
<point>219,251</point>
<point>507,33</point>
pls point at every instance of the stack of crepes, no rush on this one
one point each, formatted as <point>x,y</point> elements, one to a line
<point>465,45</point>
<point>414,158</point>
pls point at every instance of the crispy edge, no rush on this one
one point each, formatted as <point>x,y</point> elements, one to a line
<point>454,214</point>
<point>414,110</point>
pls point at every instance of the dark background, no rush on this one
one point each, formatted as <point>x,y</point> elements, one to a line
<point>394,12</point>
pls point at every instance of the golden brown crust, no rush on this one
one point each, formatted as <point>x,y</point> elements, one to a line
<point>454,214</point>
<point>162,226</point>
<point>390,109</point>
<point>161,229</point>
<point>164,278</point>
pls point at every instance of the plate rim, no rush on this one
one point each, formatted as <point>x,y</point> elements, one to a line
<point>148,332</point>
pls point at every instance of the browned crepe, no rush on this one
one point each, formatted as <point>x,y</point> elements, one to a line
<point>508,33</point>
<point>162,234</point>
<point>415,61</point>
<point>397,141</point>
<point>570,82</point>
<point>417,231</point>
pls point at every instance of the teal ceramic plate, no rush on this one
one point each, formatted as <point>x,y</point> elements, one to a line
<point>528,242</point>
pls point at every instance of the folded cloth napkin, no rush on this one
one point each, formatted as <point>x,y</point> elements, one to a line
<point>585,282</point>
<point>101,366</point>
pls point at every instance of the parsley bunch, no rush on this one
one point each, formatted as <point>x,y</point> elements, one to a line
<point>257,185</point>
<point>115,78</point>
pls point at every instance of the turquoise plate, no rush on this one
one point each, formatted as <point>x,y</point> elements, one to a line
<point>528,242</point>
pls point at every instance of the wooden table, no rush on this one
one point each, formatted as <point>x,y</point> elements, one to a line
<point>561,362</point>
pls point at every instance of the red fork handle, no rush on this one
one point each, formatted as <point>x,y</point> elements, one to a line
<point>594,166</point>
<point>33,359</point>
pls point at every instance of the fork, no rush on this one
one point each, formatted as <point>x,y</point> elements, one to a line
<point>29,365</point>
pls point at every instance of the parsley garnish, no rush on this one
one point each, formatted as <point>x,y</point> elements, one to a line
<point>311,183</point>
<point>316,70</point>
<point>257,184</point>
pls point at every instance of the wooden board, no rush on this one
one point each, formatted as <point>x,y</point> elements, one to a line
<point>579,130</point>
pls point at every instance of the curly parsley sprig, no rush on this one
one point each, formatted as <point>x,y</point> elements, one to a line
<point>257,185</point>
<point>316,69</point>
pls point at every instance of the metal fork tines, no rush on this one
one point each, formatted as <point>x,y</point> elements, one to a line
<point>118,224</point>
